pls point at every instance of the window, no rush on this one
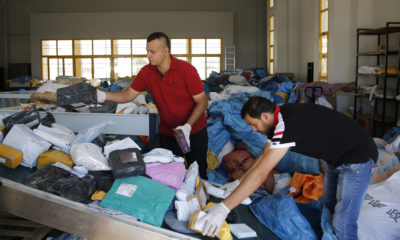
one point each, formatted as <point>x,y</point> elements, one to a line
<point>271,43</point>
<point>122,47</point>
<point>271,3</point>
<point>179,47</point>
<point>323,40</point>
<point>105,58</point>
<point>101,47</point>
<point>102,67</point>
<point>49,48</point>
<point>83,68</point>
<point>205,54</point>
<point>83,47</point>
<point>64,47</point>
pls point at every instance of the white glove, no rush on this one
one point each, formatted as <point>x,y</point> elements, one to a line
<point>186,132</point>
<point>230,187</point>
<point>214,218</point>
<point>101,96</point>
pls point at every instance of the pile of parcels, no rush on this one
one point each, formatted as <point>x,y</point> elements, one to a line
<point>114,176</point>
<point>80,95</point>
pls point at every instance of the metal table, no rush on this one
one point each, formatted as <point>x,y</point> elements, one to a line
<point>77,218</point>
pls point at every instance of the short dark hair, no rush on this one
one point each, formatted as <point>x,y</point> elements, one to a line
<point>160,35</point>
<point>257,105</point>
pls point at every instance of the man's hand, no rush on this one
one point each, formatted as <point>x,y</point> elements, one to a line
<point>213,220</point>
<point>101,96</point>
<point>186,132</point>
<point>230,187</point>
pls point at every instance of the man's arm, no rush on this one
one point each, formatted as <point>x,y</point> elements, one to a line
<point>201,106</point>
<point>123,96</point>
<point>255,176</point>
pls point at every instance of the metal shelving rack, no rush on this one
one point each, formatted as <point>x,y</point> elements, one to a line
<point>379,115</point>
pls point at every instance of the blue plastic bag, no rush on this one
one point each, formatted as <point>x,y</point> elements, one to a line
<point>280,214</point>
<point>218,136</point>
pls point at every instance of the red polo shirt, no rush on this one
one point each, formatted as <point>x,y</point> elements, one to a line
<point>172,93</point>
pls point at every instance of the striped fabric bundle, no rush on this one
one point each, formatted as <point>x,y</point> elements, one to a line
<point>304,91</point>
<point>11,102</point>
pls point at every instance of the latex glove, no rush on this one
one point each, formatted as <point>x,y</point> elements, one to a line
<point>214,218</point>
<point>186,132</point>
<point>230,187</point>
<point>101,96</point>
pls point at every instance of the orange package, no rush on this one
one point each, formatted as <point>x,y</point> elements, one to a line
<point>9,156</point>
<point>308,187</point>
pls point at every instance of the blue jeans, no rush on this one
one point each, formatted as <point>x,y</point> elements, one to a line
<point>344,190</point>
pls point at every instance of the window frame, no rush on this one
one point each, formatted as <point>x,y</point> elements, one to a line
<point>112,56</point>
<point>205,55</point>
<point>322,55</point>
<point>271,47</point>
<point>271,3</point>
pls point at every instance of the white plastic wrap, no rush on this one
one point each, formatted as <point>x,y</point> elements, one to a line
<point>228,148</point>
<point>67,168</point>
<point>191,176</point>
<point>56,136</point>
<point>368,70</point>
<point>231,90</point>
<point>156,159</point>
<point>241,230</point>
<point>90,156</point>
<point>214,96</point>
<point>126,107</point>
<point>3,115</point>
<point>161,155</point>
<point>63,129</point>
<point>50,87</point>
<point>87,135</point>
<point>140,99</point>
<point>219,193</point>
<point>23,139</point>
<point>323,102</point>
<point>183,193</point>
<point>184,209</point>
<point>238,80</point>
<point>118,145</point>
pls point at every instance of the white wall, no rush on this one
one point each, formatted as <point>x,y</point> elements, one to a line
<point>295,41</point>
<point>249,27</point>
<point>308,40</point>
<point>125,24</point>
<point>281,21</point>
<point>287,35</point>
<point>342,39</point>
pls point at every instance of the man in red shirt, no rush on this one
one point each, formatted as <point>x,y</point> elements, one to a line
<point>179,95</point>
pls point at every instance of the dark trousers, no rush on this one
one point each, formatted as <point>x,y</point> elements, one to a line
<point>198,149</point>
